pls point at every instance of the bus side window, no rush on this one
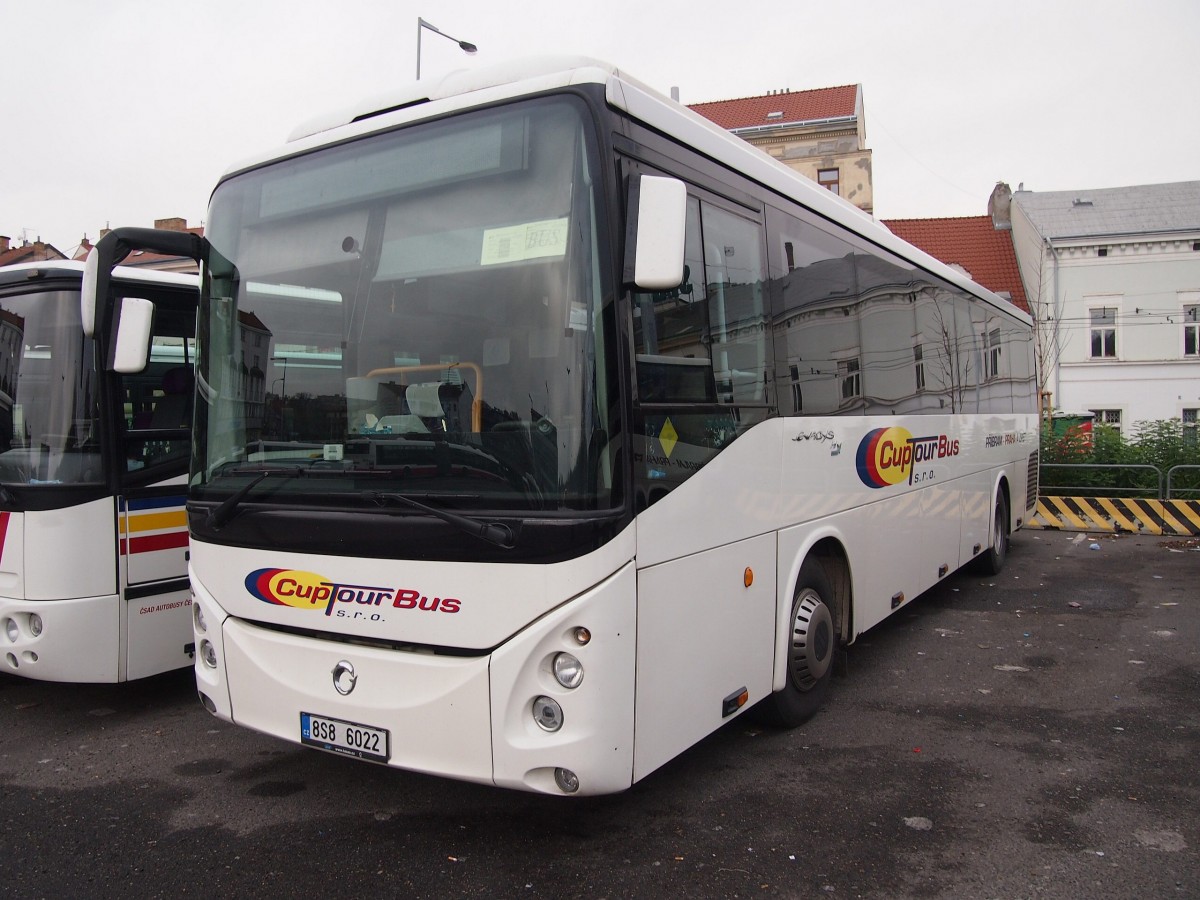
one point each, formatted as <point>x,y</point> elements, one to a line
<point>814,292</point>
<point>739,321</point>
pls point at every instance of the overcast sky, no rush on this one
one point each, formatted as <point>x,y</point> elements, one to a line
<point>125,111</point>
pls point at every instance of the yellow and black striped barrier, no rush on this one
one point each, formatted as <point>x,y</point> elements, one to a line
<point>1169,517</point>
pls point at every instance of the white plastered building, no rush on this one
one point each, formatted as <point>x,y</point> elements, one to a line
<point>1113,282</point>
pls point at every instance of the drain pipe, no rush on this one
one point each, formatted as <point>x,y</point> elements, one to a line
<point>1057,306</point>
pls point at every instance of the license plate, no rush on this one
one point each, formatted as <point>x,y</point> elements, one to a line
<point>350,738</point>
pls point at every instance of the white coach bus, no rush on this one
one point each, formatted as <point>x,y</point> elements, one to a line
<point>544,427</point>
<point>93,472</point>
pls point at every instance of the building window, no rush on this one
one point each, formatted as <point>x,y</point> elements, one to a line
<point>797,393</point>
<point>919,365</point>
<point>1109,417</point>
<point>830,179</point>
<point>850,376</point>
<point>1191,330</point>
<point>1104,332</point>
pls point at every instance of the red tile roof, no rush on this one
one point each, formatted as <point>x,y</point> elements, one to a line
<point>795,106</point>
<point>37,252</point>
<point>971,242</point>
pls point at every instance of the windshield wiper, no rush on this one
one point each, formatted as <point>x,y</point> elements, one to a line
<point>228,507</point>
<point>493,532</point>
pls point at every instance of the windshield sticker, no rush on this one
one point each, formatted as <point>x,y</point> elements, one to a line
<point>308,590</point>
<point>890,456</point>
<point>517,243</point>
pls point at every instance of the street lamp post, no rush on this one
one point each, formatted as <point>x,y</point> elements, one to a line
<point>466,46</point>
<point>284,360</point>
<point>282,382</point>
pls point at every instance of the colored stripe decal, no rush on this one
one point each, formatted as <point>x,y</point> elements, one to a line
<point>4,517</point>
<point>157,521</point>
<point>151,503</point>
<point>169,541</point>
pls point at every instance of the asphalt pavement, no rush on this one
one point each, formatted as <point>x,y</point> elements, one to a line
<point>1034,734</point>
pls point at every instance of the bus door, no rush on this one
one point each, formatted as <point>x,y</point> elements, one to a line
<point>702,353</point>
<point>156,441</point>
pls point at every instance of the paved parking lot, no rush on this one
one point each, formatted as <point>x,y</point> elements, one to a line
<point>1030,735</point>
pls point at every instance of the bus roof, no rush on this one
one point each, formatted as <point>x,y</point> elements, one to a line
<point>32,270</point>
<point>467,88</point>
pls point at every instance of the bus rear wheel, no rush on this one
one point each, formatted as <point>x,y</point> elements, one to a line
<point>811,645</point>
<point>991,560</point>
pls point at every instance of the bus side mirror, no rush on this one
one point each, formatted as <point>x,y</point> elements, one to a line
<point>135,330</point>
<point>654,232</point>
<point>111,250</point>
<point>88,292</point>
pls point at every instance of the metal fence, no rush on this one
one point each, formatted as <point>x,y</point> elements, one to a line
<point>1124,480</point>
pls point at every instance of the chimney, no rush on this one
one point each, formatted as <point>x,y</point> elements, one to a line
<point>1000,207</point>
<point>172,224</point>
<point>4,239</point>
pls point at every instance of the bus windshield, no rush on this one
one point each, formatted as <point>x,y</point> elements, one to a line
<point>417,312</point>
<point>49,400</point>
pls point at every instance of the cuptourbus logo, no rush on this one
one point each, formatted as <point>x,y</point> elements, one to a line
<point>308,590</point>
<point>888,456</point>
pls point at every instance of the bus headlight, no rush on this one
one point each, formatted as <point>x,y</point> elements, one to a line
<point>198,618</point>
<point>35,624</point>
<point>568,670</point>
<point>547,713</point>
<point>10,629</point>
<point>208,653</point>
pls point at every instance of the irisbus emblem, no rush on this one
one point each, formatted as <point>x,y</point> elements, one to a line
<point>308,590</point>
<point>887,456</point>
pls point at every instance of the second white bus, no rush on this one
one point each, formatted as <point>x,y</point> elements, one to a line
<point>93,471</point>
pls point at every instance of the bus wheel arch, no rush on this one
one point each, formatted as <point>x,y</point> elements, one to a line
<point>818,625</point>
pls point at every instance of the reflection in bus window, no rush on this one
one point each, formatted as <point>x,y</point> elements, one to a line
<point>48,395</point>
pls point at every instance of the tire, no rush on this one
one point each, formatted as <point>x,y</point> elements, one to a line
<point>811,647</point>
<point>991,560</point>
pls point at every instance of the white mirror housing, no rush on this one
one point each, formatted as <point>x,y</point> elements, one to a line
<point>87,293</point>
<point>134,332</point>
<point>660,207</point>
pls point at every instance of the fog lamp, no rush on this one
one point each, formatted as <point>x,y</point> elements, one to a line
<point>35,624</point>
<point>208,653</point>
<point>567,781</point>
<point>547,713</point>
<point>568,670</point>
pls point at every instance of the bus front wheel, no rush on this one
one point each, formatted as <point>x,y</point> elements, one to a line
<point>811,645</point>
